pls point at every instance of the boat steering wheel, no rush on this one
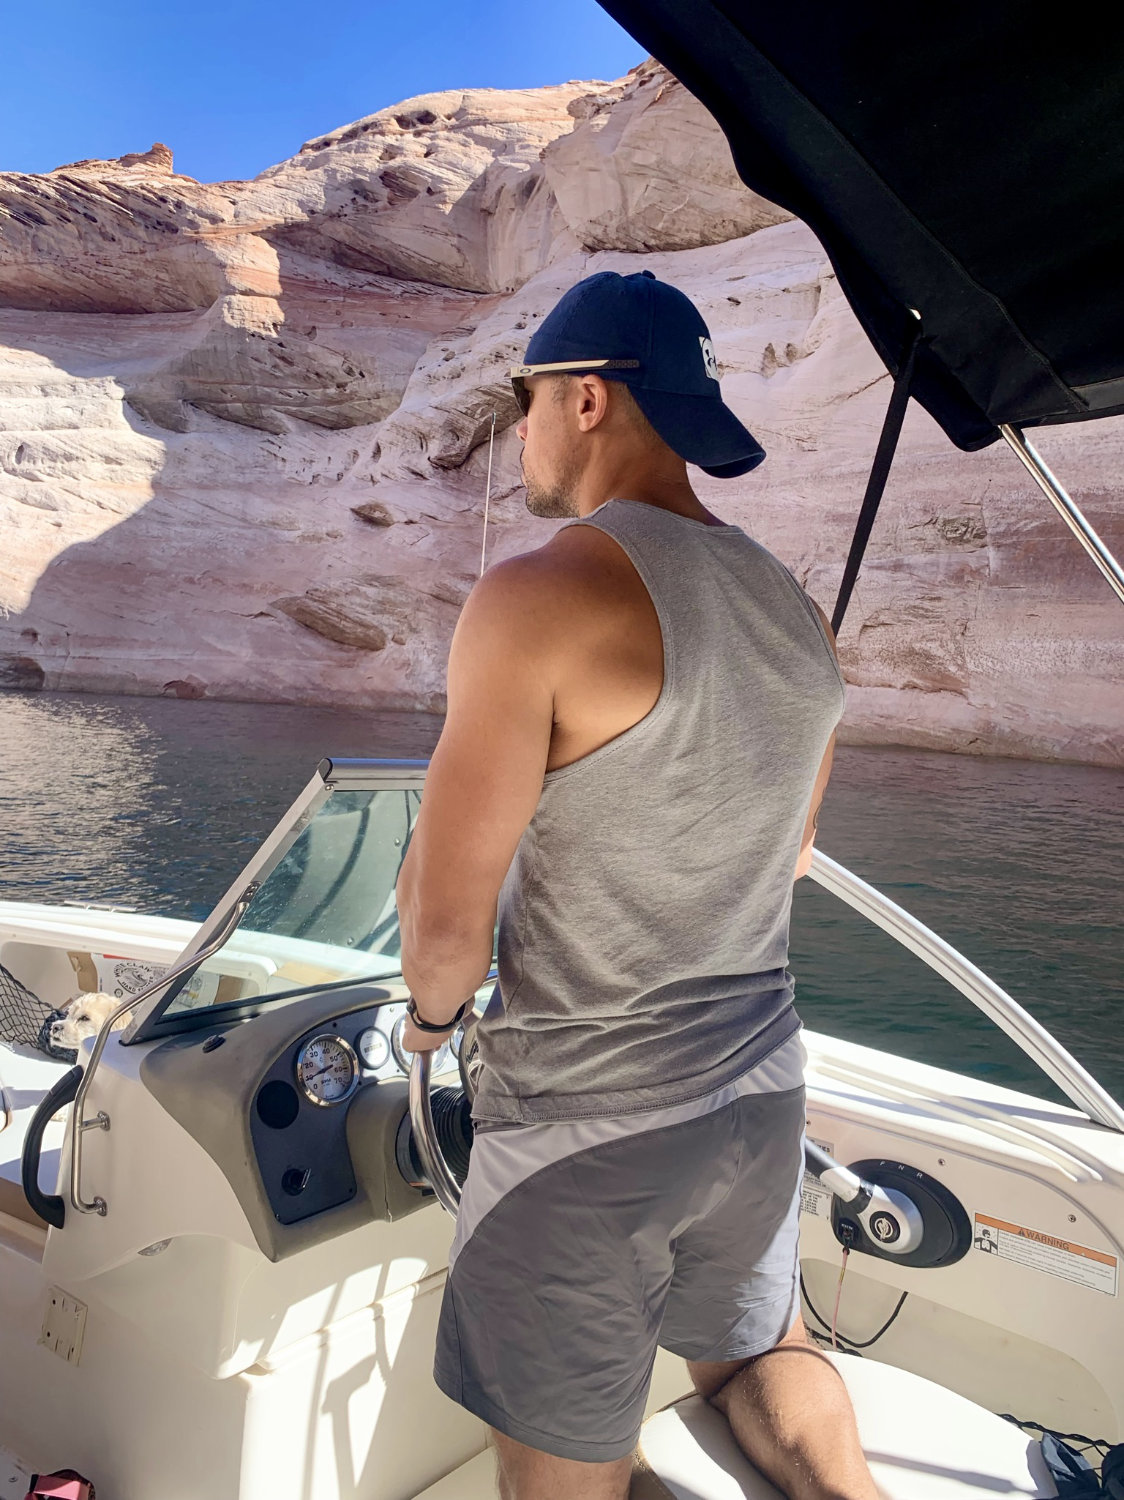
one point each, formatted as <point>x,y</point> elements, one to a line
<point>442,1132</point>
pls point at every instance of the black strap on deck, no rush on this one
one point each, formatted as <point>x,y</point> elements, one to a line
<point>879,471</point>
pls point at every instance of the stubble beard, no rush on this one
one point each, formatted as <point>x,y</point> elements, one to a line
<point>557,501</point>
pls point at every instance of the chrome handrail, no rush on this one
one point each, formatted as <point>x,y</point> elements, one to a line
<point>1070,1160</point>
<point>1029,1035</point>
<point>79,1126</point>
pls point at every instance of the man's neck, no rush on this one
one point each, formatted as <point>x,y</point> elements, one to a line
<point>688,505</point>
<point>665,492</point>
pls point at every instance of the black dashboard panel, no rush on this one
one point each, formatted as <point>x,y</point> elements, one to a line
<point>302,1172</point>
<point>300,1146</point>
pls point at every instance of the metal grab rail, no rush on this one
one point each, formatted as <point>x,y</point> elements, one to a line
<point>1070,1160</point>
<point>79,1126</point>
<point>1075,1082</point>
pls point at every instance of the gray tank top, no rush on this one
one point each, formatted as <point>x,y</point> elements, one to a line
<point>643,924</point>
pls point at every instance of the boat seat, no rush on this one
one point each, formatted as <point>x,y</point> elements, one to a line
<point>475,1480</point>
<point>14,1205</point>
<point>922,1442</point>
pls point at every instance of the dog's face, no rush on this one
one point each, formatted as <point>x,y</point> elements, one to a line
<point>85,1016</point>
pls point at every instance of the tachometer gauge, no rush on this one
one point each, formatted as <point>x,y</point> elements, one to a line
<point>440,1058</point>
<point>374,1048</point>
<point>327,1069</point>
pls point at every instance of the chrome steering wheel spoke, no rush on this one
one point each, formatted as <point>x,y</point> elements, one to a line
<point>437,1171</point>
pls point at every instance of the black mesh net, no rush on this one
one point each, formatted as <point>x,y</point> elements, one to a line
<point>26,1019</point>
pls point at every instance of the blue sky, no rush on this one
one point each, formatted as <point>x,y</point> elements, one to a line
<point>233,86</point>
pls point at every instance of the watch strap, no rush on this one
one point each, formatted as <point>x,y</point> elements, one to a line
<point>422,1025</point>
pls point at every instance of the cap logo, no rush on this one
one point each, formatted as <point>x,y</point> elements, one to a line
<point>710,364</point>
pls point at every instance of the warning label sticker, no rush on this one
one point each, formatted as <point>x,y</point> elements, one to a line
<point>1047,1252</point>
<point>815,1198</point>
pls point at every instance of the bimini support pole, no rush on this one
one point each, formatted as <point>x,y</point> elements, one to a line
<point>1065,507</point>
<point>880,469</point>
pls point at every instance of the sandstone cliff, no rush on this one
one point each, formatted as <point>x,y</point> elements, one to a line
<point>242,425</point>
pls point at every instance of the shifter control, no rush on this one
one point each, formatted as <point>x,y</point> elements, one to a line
<point>886,1209</point>
<point>885,1216</point>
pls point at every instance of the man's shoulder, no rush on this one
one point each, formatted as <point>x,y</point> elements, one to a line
<point>575,569</point>
<point>564,554</point>
<point>772,561</point>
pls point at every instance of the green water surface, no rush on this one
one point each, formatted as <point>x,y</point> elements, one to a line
<point>157,803</point>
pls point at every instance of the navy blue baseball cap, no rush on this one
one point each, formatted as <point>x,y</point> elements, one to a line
<point>648,335</point>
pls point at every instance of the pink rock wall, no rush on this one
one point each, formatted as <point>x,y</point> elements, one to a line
<point>242,425</point>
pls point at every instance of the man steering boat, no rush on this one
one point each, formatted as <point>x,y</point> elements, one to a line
<point>641,719</point>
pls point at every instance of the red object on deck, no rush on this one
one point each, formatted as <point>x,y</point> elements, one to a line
<point>67,1484</point>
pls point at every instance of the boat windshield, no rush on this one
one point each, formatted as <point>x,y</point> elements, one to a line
<point>323,915</point>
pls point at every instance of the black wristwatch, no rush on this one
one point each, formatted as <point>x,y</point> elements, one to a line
<point>412,1012</point>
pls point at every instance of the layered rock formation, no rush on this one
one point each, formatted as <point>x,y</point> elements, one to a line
<point>243,366</point>
<point>244,426</point>
<point>126,236</point>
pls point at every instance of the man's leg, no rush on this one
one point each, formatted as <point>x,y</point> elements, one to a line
<point>559,1275</point>
<point>527,1474</point>
<point>792,1417</point>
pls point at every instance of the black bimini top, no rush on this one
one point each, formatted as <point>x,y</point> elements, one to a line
<point>964,160</point>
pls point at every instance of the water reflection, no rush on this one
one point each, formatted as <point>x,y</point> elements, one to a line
<point>1016,863</point>
<point>157,803</point>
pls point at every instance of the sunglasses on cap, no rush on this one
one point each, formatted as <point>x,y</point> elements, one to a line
<point>518,374</point>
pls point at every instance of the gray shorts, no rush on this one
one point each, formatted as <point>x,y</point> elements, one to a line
<point>583,1245</point>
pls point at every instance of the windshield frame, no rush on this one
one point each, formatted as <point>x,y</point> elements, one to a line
<point>151,1021</point>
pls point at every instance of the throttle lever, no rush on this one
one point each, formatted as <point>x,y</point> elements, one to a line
<point>889,1219</point>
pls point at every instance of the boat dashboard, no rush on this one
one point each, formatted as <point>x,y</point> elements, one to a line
<point>299,1112</point>
<point>302,1108</point>
<point>277,1044</point>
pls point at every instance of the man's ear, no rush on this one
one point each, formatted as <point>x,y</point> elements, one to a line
<point>593,402</point>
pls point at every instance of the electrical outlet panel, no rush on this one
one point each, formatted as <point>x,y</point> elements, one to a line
<point>64,1324</point>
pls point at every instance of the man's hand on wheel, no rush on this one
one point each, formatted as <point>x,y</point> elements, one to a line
<point>415,1040</point>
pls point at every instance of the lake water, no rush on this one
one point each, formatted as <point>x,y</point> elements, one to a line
<point>157,803</point>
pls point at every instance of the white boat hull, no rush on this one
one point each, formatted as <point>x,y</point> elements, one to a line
<point>205,1368</point>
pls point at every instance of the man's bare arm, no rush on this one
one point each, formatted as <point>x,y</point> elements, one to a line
<point>484,782</point>
<point>804,862</point>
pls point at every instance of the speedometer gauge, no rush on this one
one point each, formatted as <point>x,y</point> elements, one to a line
<point>327,1069</point>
